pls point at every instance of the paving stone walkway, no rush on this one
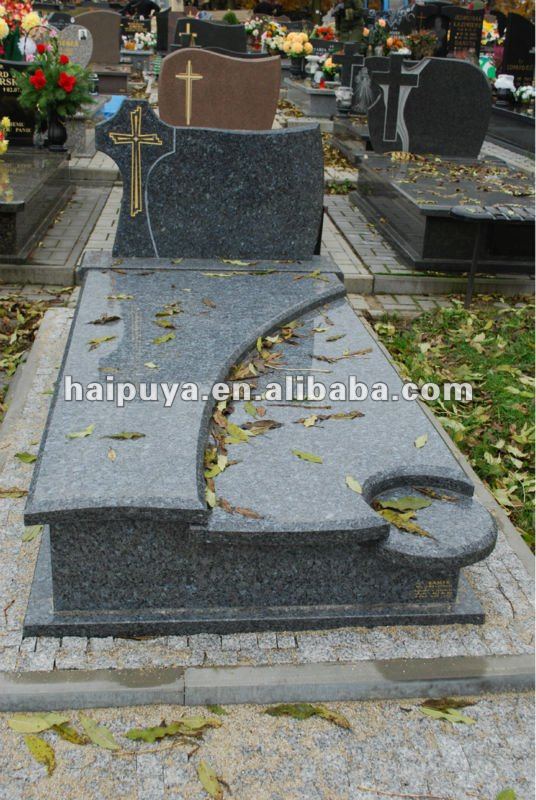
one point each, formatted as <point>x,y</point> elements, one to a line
<point>392,751</point>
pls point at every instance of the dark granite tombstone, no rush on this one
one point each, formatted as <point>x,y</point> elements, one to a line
<point>422,108</point>
<point>22,120</point>
<point>105,28</point>
<point>132,25</point>
<point>325,46</point>
<point>60,20</point>
<point>190,90</point>
<point>201,33</point>
<point>76,42</point>
<point>134,543</point>
<point>162,154</point>
<point>519,49</point>
<point>418,204</point>
<point>34,187</point>
<point>464,30</point>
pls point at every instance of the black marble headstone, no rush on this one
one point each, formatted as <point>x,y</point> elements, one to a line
<point>213,34</point>
<point>519,49</point>
<point>437,105</point>
<point>326,46</point>
<point>465,29</point>
<point>260,171</point>
<point>132,25</point>
<point>162,27</point>
<point>22,120</point>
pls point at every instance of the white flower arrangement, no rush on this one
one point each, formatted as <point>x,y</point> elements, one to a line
<point>254,27</point>
<point>142,40</point>
<point>525,94</point>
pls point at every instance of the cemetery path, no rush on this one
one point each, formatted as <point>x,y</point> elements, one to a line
<point>391,750</point>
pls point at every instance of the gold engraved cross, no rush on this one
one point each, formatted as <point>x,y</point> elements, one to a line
<point>189,31</point>
<point>135,139</point>
<point>189,77</point>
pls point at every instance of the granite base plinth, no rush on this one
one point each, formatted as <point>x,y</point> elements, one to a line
<point>313,102</point>
<point>42,619</point>
<point>415,213</point>
<point>512,130</point>
<point>35,188</point>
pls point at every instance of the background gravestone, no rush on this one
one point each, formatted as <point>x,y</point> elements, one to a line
<point>213,34</point>
<point>208,90</point>
<point>132,25</point>
<point>321,46</point>
<point>105,28</point>
<point>60,20</point>
<point>519,49</point>
<point>76,42</point>
<point>465,29</point>
<point>22,120</point>
<point>421,108</point>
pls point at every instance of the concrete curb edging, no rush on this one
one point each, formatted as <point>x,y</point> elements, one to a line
<point>364,680</point>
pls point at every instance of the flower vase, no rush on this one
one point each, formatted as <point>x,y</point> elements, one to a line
<point>56,132</point>
<point>297,68</point>
<point>378,50</point>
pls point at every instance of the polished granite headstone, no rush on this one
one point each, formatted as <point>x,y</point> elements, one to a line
<point>326,46</point>
<point>34,186</point>
<point>252,171</point>
<point>76,42</point>
<point>60,19</point>
<point>133,25</point>
<point>133,545</point>
<point>212,34</point>
<point>22,120</point>
<point>438,105</point>
<point>203,89</point>
<point>518,57</point>
<point>105,28</point>
<point>464,30</point>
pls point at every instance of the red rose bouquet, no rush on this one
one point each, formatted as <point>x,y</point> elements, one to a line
<point>53,84</point>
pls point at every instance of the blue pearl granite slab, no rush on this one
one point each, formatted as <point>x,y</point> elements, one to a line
<point>42,618</point>
<point>160,474</point>
<point>202,193</point>
<point>95,259</point>
<point>133,546</point>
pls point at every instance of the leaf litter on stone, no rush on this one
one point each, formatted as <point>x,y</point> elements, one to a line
<point>94,343</point>
<point>305,456</point>
<point>31,532</point>
<point>408,503</point>
<point>420,441</point>
<point>41,751</point>
<point>13,493</point>
<point>26,458</point>
<point>83,433</point>
<point>105,319</point>
<point>301,711</point>
<point>36,723</point>
<point>354,484</point>
<point>98,734</point>
<point>209,781</point>
<point>186,726</point>
<point>167,337</point>
<point>125,435</point>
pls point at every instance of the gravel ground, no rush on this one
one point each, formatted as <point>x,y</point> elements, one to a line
<point>392,750</point>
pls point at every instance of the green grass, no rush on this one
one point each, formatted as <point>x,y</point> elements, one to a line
<point>492,347</point>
